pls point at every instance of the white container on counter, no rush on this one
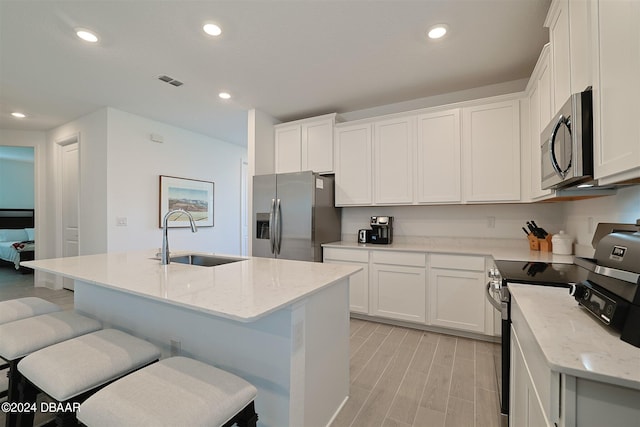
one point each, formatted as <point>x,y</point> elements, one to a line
<point>562,243</point>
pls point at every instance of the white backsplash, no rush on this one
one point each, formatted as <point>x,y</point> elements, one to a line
<point>418,224</point>
<point>467,221</point>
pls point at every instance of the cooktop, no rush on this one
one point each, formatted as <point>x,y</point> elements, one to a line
<point>541,273</point>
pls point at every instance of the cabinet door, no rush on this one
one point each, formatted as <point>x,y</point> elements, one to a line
<point>580,35</point>
<point>539,117</point>
<point>457,299</point>
<point>558,22</point>
<point>394,144</point>
<point>317,146</point>
<point>525,408</point>
<point>438,155</point>
<point>353,165</point>
<point>617,91</point>
<point>398,292</point>
<point>288,149</point>
<point>358,282</point>
<point>491,152</point>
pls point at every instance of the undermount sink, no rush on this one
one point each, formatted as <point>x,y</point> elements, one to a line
<point>204,260</point>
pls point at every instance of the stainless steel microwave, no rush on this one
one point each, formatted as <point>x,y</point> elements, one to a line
<point>567,144</point>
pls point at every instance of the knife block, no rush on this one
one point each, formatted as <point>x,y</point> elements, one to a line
<point>534,242</point>
<point>545,244</point>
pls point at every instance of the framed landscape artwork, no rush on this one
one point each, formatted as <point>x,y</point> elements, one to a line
<point>194,196</point>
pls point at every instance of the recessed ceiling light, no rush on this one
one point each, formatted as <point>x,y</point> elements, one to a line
<point>224,95</point>
<point>86,35</point>
<point>212,29</point>
<point>18,115</point>
<point>437,31</point>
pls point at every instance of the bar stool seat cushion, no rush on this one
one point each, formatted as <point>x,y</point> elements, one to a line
<point>70,368</point>
<point>19,338</point>
<point>177,391</point>
<point>22,308</point>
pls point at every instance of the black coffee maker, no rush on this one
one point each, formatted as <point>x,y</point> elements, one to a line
<point>381,229</point>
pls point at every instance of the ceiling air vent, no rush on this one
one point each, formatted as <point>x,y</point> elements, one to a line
<point>170,80</point>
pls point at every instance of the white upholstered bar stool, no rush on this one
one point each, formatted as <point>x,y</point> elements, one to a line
<point>24,336</point>
<point>21,308</point>
<point>177,391</point>
<point>72,370</point>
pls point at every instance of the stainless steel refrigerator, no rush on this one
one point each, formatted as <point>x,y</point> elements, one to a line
<point>293,215</point>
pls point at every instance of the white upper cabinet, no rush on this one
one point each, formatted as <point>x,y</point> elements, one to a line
<point>288,149</point>
<point>491,152</point>
<point>353,165</point>
<point>580,37</point>
<point>317,146</point>
<point>394,145</point>
<point>305,145</point>
<point>558,23</point>
<point>438,157</point>
<point>617,90</point>
<point>539,116</point>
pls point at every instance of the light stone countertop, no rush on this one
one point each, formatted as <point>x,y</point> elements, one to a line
<point>244,291</point>
<point>573,341</point>
<point>499,249</point>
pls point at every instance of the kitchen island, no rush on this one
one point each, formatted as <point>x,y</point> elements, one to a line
<point>281,325</point>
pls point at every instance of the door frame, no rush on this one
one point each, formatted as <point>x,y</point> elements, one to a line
<point>59,145</point>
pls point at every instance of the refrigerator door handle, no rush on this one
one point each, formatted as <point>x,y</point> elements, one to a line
<point>278,221</point>
<point>272,231</point>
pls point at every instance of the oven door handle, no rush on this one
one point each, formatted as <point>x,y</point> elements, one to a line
<point>497,305</point>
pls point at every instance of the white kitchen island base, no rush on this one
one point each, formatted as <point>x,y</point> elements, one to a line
<point>297,356</point>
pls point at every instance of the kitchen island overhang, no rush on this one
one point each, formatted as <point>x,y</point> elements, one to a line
<point>281,325</point>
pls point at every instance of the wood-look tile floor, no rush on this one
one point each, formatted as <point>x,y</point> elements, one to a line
<point>404,377</point>
<point>399,377</point>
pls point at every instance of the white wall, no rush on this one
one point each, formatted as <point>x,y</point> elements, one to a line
<point>17,182</point>
<point>134,164</point>
<point>92,133</point>
<point>583,216</point>
<point>457,221</point>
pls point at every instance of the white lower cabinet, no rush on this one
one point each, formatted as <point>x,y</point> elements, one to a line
<point>398,285</point>
<point>358,282</point>
<point>525,407</point>
<point>457,293</point>
<point>447,292</point>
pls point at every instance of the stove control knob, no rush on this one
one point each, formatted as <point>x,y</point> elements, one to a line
<point>578,291</point>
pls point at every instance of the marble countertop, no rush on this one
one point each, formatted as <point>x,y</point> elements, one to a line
<point>573,341</point>
<point>244,291</point>
<point>499,249</point>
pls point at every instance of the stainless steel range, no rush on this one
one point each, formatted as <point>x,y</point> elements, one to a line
<point>522,272</point>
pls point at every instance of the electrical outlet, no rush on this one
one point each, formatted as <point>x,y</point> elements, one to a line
<point>176,348</point>
<point>491,221</point>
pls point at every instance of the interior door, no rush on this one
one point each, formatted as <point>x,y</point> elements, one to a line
<point>70,203</point>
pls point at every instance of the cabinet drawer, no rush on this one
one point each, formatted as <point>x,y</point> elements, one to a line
<point>458,262</point>
<point>413,259</point>
<point>356,255</point>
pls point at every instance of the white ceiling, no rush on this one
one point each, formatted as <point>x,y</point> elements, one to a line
<point>290,59</point>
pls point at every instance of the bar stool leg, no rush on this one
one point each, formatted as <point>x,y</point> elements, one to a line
<point>28,394</point>
<point>13,392</point>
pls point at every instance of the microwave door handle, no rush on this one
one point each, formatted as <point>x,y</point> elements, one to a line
<point>552,145</point>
